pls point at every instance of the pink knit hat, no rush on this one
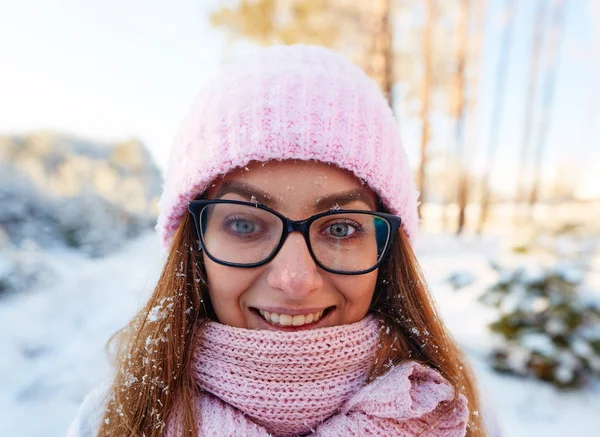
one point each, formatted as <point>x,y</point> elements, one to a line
<point>289,102</point>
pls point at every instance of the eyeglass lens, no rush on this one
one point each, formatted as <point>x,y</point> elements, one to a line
<point>243,234</point>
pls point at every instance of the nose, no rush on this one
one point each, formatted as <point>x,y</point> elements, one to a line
<point>293,271</point>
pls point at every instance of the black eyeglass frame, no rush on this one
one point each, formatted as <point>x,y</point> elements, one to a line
<point>195,207</point>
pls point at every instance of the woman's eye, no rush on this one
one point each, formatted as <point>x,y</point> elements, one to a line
<point>340,230</point>
<point>242,226</point>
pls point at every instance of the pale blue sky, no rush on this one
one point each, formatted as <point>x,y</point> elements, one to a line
<point>130,68</point>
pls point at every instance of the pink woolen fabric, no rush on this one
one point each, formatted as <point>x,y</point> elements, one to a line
<point>258,383</point>
<point>287,382</point>
<point>289,102</point>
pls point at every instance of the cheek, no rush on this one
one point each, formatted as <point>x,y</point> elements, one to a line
<point>227,287</point>
<point>357,290</point>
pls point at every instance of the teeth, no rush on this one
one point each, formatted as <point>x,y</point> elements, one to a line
<point>289,320</point>
<point>285,319</point>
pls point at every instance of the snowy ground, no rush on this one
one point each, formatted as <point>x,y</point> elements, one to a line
<point>52,339</point>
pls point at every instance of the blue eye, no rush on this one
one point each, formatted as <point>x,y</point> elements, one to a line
<point>341,230</point>
<point>240,226</point>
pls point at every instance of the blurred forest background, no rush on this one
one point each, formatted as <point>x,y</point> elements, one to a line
<point>497,102</point>
<point>427,57</point>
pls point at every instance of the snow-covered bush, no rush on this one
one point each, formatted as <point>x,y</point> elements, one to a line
<point>19,271</point>
<point>26,214</point>
<point>96,226</point>
<point>60,189</point>
<point>57,190</point>
<point>548,329</point>
<point>22,268</point>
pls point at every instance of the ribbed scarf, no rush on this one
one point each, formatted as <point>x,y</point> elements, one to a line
<point>287,382</point>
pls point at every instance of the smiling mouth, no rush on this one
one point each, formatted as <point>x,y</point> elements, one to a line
<point>293,320</point>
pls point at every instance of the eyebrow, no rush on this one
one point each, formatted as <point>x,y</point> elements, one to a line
<point>246,191</point>
<point>322,203</point>
<point>356,195</point>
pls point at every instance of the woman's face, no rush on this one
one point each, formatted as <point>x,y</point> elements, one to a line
<point>291,285</point>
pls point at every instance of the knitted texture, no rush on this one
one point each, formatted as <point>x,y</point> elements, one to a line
<point>286,382</point>
<point>265,383</point>
<point>289,102</point>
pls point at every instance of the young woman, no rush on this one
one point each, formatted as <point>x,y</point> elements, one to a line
<point>291,302</point>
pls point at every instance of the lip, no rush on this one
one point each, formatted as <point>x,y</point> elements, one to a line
<point>264,324</point>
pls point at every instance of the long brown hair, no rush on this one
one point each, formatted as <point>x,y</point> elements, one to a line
<point>153,350</point>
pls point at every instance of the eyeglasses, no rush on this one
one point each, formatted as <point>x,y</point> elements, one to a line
<point>244,234</point>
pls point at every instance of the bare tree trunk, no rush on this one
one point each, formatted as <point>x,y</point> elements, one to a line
<point>509,11</point>
<point>553,52</point>
<point>380,54</point>
<point>538,37</point>
<point>461,58</point>
<point>448,189</point>
<point>425,100</point>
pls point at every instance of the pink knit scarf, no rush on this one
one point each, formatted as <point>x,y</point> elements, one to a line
<point>265,384</point>
<point>287,382</point>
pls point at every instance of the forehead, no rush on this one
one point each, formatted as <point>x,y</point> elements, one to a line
<point>292,186</point>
